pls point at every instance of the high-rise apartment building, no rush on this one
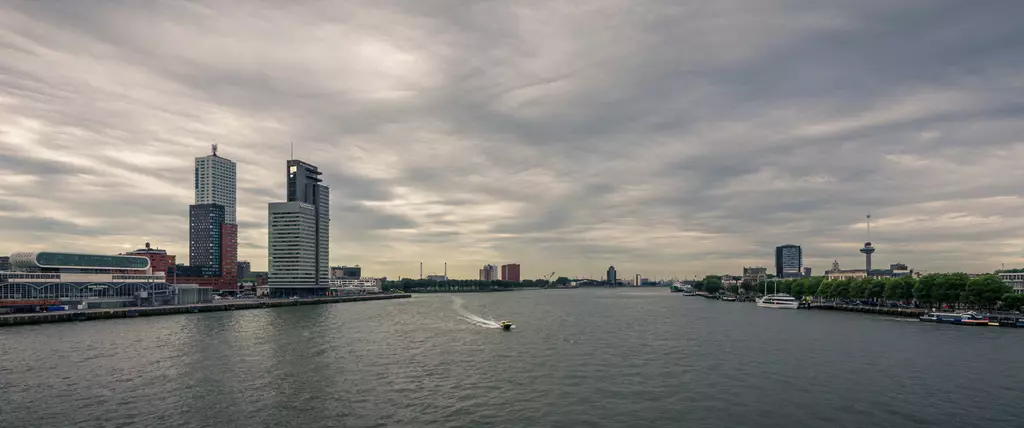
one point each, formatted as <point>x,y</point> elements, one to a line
<point>510,272</point>
<point>213,231</point>
<point>215,181</point>
<point>204,236</point>
<point>489,273</point>
<point>612,276</point>
<point>789,261</point>
<point>299,250</point>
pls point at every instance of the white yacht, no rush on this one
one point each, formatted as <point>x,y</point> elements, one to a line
<point>778,301</point>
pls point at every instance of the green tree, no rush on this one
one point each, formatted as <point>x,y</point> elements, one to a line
<point>986,290</point>
<point>748,286</point>
<point>712,284</point>
<point>825,289</point>
<point>875,288</point>
<point>813,284</point>
<point>901,288</point>
<point>562,281</point>
<point>840,289</point>
<point>858,288</point>
<point>733,289</point>
<point>925,291</point>
<point>1011,302</point>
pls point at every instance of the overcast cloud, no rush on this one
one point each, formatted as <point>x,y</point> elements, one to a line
<point>666,138</point>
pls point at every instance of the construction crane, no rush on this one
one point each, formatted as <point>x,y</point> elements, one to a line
<point>549,276</point>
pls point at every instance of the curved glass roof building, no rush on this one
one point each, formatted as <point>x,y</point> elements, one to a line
<point>57,260</point>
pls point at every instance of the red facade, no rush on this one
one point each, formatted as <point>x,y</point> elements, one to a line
<point>510,272</point>
<point>228,257</point>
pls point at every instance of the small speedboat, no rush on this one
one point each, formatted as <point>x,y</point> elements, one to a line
<point>505,325</point>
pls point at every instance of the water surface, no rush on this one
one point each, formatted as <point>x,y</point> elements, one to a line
<point>589,357</point>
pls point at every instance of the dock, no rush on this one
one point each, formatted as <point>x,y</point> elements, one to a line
<point>149,311</point>
<point>898,312</point>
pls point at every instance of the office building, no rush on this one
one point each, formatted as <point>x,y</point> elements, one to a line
<point>244,268</point>
<point>510,272</point>
<point>159,260</point>
<point>346,272</point>
<point>789,261</point>
<point>204,236</point>
<point>215,183</point>
<point>299,247</point>
<point>438,278</point>
<point>612,278</point>
<point>1015,280</point>
<point>489,273</point>
<point>5,264</point>
<point>807,271</point>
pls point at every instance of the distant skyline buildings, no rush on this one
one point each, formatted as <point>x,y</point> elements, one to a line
<point>489,273</point>
<point>789,261</point>
<point>510,272</point>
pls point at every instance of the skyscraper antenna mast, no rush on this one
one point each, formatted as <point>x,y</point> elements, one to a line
<point>869,227</point>
<point>292,154</point>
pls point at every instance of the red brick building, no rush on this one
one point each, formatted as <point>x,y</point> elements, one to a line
<point>159,260</point>
<point>510,272</point>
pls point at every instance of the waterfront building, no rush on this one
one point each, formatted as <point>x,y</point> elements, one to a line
<point>754,274</point>
<point>159,260</point>
<point>1015,280</point>
<point>213,249</point>
<point>789,261</point>
<point>5,263</point>
<point>83,280</point>
<point>510,272</point>
<point>489,273</point>
<point>438,278</point>
<point>611,277</point>
<point>346,272</point>
<point>215,183</point>
<point>807,271</point>
<point>299,244</point>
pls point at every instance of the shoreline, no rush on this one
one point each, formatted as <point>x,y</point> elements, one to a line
<point>11,320</point>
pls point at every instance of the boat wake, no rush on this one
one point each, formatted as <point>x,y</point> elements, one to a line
<point>471,317</point>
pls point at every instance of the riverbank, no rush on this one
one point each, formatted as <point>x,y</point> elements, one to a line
<point>100,314</point>
<point>899,312</point>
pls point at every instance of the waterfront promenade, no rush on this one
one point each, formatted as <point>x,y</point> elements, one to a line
<point>131,312</point>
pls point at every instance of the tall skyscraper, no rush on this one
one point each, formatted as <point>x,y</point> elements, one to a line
<point>300,234</point>
<point>215,180</point>
<point>789,261</point>
<point>612,277</point>
<point>244,268</point>
<point>213,232</point>
<point>510,272</point>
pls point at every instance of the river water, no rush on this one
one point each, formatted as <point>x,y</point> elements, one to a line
<point>577,358</point>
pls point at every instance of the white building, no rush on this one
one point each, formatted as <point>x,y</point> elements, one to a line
<point>215,181</point>
<point>489,273</point>
<point>299,238</point>
<point>1015,280</point>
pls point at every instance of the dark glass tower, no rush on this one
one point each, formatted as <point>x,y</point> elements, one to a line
<point>204,237</point>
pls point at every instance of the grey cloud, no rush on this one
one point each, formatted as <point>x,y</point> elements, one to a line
<point>662,137</point>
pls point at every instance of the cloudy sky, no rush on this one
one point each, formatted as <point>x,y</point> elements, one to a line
<point>667,138</point>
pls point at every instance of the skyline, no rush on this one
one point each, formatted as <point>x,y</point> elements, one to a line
<point>669,140</point>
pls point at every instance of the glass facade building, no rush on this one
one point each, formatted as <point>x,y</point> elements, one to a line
<point>204,235</point>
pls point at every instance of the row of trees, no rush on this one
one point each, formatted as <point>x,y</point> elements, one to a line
<point>954,289</point>
<point>462,285</point>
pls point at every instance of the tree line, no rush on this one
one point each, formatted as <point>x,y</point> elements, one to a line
<point>410,285</point>
<point>938,289</point>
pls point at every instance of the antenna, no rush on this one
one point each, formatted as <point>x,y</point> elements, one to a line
<point>214,146</point>
<point>292,155</point>
<point>869,227</point>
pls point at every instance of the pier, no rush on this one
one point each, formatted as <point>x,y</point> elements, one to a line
<point>899,312</point>
<point>148,311</point>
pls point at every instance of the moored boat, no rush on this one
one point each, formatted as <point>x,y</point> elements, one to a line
<point>778,301</point>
